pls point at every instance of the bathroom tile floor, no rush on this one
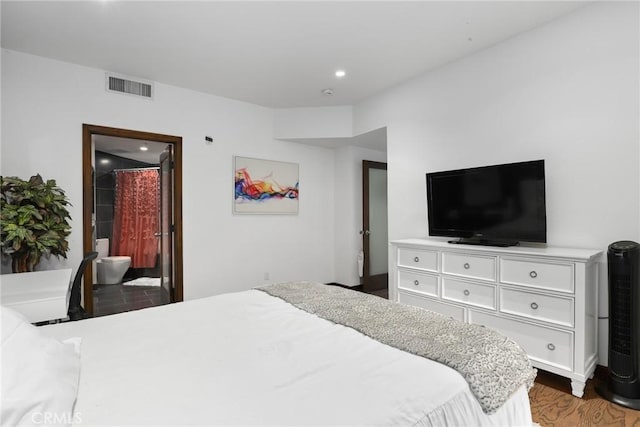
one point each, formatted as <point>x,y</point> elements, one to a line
<point>111,299</point>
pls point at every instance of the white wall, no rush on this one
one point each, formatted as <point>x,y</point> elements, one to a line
<point>333,127</point>
<point>319,122</point>
<point>45,103</point>
<point>567,92</point>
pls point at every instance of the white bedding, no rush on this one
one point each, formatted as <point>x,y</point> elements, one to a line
<point>251,359</point>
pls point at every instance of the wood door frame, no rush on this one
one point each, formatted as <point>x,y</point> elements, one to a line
<point>88,195</point>
<point>377,282</point>
<point>166,156</point>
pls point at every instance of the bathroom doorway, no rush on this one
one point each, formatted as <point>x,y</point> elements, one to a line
<point>132,218</point>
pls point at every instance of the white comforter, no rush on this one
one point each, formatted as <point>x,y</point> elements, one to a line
<point>251,359</point>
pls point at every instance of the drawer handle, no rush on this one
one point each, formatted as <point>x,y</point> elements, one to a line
<point>416,259</point>
<point>416,282</point>
<point>533,274</point>
<point>466,292</point>
<point>534,305</point>
<point>551,346</point>
<point>466,266</point>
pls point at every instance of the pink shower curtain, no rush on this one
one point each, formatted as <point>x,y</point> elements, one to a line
<point>135,222</point>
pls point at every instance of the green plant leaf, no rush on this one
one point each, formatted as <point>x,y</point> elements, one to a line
<point>34,220</point>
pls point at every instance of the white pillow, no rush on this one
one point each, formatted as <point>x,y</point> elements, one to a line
<point>40,375</point>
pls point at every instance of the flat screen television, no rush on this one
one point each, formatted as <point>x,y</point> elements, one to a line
<point>498,205</point>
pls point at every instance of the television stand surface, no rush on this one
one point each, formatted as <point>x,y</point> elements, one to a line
<point>484,242</point>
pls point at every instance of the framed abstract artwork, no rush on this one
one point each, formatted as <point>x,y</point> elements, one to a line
<point>265,186</point>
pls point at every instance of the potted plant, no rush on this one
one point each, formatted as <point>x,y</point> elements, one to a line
<point>34,221</point>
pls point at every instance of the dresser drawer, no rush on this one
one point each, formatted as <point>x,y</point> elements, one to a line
<point>537,274</point>
<point>547,345</point>
<point>472,266</point>
<point>448,310</point>
<point>477,294</point>
<point>547,308</point>
<point>418,258</point>
<point>418,282</point>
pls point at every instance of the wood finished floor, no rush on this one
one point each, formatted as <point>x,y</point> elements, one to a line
<point>553,405</point>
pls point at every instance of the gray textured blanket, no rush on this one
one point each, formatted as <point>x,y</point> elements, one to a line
<point>493,365</point>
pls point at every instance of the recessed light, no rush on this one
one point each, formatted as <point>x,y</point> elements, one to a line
<point>143,148</point>
<point>341,73</point>
<point>327,92</point>
<point>105,161</point>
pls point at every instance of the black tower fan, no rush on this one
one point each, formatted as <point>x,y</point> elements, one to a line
<point>623,384</point>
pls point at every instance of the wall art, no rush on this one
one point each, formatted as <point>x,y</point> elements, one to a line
<point>265,186</point>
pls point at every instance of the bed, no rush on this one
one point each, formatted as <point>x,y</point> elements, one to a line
<point>258,357</point>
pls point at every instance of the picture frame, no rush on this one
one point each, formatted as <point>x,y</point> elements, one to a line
<point>265,186</point>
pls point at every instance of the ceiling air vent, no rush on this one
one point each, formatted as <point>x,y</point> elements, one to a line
<point>122,84</point>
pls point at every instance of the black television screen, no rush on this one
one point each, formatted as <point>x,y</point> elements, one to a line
<point>500,204</point>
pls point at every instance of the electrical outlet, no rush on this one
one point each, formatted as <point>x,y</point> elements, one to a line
<point>266,276</point>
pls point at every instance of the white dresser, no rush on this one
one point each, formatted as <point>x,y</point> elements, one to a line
<point>545,299</point>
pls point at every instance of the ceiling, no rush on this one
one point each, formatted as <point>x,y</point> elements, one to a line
<point>275,54</point>
<point>130,148</point>
<point>375,140</point>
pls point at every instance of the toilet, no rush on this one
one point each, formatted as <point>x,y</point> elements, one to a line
<point>111,269</point>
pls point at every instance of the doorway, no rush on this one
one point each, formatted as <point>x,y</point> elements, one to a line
<point>157,276</point>
<point>374,227</point>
